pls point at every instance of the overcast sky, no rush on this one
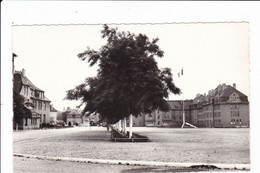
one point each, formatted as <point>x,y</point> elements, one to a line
<point>209,53</point>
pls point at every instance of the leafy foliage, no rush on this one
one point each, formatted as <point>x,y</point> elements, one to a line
<point>128,80</point>
<point>20,111</point>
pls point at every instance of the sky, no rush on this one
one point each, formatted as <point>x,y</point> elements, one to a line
<point>209,54</point>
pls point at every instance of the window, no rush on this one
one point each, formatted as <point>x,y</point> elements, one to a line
<point>26,121</point>
<point>44,106</point>
<point>234,113</point>
<point>34,121</point>
<point>40,105</point>
<point>44,118</point>
<point>40,118</point>
<point>217,107</point>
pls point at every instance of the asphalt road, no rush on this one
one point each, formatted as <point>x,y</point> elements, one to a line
<point>28,165</point>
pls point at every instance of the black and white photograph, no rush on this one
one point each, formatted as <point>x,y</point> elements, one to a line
<point>115,87</point>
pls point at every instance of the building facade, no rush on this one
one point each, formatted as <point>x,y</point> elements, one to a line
<point>35,100</point>
<point>73,117</point>
<point>224,106</point>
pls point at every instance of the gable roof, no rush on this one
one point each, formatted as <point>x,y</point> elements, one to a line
<point>27,82</point>
<point>225,94</point>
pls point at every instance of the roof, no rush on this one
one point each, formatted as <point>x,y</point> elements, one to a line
<point>52,109</point>
<point>225,94</point>
<point>74,111</point>
<point>177,104</point>
<point>27,82</point>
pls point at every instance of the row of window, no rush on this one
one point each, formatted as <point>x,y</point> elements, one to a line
<point>234,113</point>
<point>209,122</point>
<point>43,118</point>
<point>26,90</point>
<point>235,121</point>
<point>33,121</point>
<point>209,115</point>
<point>40,105</point>
<point>234,107</point>
<point>234,98</point>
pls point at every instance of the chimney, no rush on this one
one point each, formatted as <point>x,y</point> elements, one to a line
<point>223,86</point>
<point>219,88</point>
<point>23,72</point>
<point>234,85</point>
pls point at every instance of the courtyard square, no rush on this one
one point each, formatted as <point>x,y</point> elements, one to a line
<point>226,146</point>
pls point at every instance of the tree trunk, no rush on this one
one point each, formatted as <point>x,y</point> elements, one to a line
<point>130,125</point>
<point>107,127</point>
<point>124,125</point>
<point>119,126</point>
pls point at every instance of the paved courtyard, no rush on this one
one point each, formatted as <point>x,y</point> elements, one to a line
<point>226,146</point>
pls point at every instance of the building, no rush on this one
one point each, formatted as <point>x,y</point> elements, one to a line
<point>53,114</point>
<point>138,121</point>
<point>224,106</point>
<point>35,100</point>
<point>73,117</point>
<point>92,119</point>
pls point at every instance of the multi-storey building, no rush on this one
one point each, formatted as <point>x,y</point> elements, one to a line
<point>224,106</point>
<point>35,100</point>
<point>138,121</point>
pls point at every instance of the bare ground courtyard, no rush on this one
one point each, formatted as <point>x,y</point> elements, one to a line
<point>228,146</point>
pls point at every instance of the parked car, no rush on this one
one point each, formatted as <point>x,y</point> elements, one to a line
<point>60,123</point>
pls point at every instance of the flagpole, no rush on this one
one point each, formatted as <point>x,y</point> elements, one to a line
<point>183,111</point>
<point>183,103</point>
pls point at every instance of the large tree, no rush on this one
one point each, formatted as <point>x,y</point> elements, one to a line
<point>19,109</point>
<point>128,81</point>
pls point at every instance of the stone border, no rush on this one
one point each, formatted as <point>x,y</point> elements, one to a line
<point>139,163</point>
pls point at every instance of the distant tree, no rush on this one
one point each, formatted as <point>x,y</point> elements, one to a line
<point>128,80</point>
<point>64,116</point>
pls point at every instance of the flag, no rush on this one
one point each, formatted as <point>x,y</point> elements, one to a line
<point>180,73</point>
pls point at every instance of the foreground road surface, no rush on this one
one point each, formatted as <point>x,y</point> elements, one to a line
<point>27,165</point>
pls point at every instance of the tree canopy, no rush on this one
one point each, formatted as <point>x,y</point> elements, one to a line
<point>128,79</point>
<point>20,111</point>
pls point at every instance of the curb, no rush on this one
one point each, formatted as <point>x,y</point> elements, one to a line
<point>139,163</point>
